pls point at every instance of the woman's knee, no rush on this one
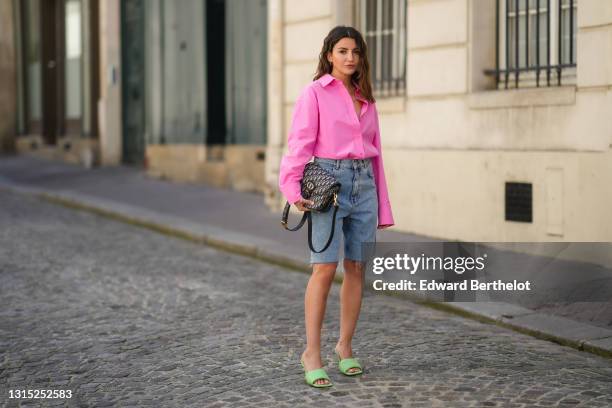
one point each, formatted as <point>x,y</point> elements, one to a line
<point>324,271</point>
<point>353,268</point>
<point>353,271</point>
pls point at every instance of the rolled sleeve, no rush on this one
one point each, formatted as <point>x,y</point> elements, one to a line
<point>385,215</point>
<point>300,143</point>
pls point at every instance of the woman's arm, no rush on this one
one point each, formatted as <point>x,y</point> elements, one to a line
<point>385,215</point>
<point>301,141</point>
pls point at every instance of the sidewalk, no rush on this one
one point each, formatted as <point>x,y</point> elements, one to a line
<point>240,222</point>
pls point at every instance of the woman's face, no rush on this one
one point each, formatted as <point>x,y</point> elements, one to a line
<point>344,57</point>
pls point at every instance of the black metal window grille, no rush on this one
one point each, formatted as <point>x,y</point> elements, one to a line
<point>383,24</point>
<point>536,42</point>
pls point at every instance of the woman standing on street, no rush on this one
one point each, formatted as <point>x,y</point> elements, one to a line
<point>335,120</point>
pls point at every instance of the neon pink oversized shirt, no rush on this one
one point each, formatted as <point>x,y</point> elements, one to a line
<point>325,125</point>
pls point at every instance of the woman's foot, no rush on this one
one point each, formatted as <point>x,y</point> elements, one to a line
<point>346,351</point>
<point>312,361</point>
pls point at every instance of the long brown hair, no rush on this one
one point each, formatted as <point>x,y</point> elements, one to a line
<point>362,74</point>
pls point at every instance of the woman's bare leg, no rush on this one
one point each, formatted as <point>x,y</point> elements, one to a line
<point>315,302</point>
<point>350,305</point>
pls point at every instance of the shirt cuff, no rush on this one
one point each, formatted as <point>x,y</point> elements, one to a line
<point>385,216</point>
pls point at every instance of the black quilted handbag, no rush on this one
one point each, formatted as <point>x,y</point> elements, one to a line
<point>322,188</point>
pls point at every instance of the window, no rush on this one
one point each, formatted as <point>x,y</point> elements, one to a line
<point>383,24</point>
<point>536,43</point>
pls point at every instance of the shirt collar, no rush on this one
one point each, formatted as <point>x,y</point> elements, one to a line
<point>329,78</point>
<point>326,79</point>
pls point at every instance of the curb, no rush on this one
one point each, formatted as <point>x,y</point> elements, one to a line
<point>559,330</point>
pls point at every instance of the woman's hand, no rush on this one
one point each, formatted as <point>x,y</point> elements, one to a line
<point>301,203</point>
<point>385,226</point>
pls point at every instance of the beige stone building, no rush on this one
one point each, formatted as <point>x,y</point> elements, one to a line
<point>502,128</point>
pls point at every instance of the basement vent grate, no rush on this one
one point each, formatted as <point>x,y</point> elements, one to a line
<point>519,202</point>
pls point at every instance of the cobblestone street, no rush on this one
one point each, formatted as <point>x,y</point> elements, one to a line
<point>122,316</point>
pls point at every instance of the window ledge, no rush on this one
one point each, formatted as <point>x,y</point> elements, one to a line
<point>564,95</point>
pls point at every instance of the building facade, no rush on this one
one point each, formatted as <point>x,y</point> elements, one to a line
<point>176,86</point>
<point>60,79</point>
<point>54,76</point>
<point>8,87</point>
<point>500,130</point>
<point>194,92</point>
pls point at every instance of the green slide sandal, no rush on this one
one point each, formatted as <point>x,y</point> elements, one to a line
<point>346,364</point>
<point>314,375</point>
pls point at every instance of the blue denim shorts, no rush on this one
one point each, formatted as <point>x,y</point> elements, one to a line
<point>357,216</point>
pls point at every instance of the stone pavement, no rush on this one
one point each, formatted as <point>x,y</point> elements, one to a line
<point>121,316</point>
<point>240,222</point>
